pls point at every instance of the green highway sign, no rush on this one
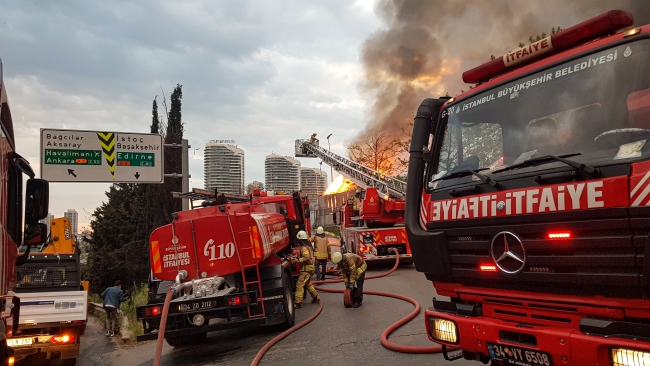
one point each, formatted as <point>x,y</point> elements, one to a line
<point>68,157</point>
<point>135,159</point>
<point>101,156</point>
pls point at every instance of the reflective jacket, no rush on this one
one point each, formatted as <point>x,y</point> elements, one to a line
<point>357,204</point>
<point>306,259</point>
<point>352,267</point>
<point>322,248</point>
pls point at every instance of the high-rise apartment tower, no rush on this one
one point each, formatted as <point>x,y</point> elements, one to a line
<point>224,167</point>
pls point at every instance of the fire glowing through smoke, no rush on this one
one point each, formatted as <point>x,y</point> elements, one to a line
<point>338,185</point>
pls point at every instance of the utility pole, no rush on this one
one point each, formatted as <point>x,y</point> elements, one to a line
<point>185,170</point>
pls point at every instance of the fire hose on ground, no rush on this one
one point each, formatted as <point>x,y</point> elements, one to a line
<point>384,336</point>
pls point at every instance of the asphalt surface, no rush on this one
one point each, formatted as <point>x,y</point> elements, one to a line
<point>337,336</point>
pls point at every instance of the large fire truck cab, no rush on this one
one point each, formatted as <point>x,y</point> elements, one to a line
<point>532,214</point>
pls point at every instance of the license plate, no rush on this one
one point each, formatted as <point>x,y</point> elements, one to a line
<point>16,342</point>
<point>198,305</point>
<point>519,356</point>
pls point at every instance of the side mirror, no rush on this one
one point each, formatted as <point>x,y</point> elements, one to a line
<point>37,195</point>
<point>35,234</point>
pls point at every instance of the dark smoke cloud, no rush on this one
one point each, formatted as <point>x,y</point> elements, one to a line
<point>425,46</point>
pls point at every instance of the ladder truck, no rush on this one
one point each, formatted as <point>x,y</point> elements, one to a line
<point>376,229</point>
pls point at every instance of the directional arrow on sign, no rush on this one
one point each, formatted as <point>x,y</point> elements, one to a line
<point>137,175</point>
<point>71,172</point>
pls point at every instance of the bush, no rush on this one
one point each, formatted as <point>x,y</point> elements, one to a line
<point>138,298</point>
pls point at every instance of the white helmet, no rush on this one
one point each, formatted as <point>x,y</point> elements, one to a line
<point>319,230</point>
<point>336,257</point>
<point>302,235</point>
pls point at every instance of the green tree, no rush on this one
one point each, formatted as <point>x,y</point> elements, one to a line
<point>119,243</point>
<point>155,120</point>
<point>164,204</point>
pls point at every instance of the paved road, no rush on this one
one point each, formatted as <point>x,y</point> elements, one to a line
<point>337,336</point>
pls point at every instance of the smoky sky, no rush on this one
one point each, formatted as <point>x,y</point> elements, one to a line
<point>424,46</point>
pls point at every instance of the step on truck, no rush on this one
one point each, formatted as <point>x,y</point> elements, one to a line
<point>531,218</point>
<point>229,256</point>
<point>12,231</point>
<point>53,301</point>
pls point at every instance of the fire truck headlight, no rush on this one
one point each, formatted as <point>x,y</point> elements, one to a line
<point>629,357</point>
<point>198,320</point>
<point>444,330</point>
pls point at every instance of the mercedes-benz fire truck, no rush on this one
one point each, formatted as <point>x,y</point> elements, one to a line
<point>532,216</point>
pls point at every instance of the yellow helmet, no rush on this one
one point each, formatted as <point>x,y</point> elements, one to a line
<point>336,257</point>
<point>302,235</point>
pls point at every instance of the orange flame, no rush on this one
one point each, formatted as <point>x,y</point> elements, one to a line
<point>340,184</point>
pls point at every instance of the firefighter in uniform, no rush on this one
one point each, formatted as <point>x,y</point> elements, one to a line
<point>322,252</point>
<point>306,260</point>
<point>353,271</point>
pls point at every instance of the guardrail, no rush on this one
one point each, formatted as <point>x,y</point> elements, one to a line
<point>124,329</point>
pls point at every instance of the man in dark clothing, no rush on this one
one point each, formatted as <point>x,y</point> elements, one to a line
<point>113,297</point>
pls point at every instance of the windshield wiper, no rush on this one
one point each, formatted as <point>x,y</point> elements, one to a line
<point>547,158</point>
<point>466,172</point>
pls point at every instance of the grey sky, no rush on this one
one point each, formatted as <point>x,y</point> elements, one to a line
<point>263,73</point>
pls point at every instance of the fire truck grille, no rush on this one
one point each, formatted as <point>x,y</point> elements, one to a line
<point>600,257</point>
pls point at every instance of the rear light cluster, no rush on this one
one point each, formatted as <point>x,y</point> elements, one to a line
<point>238,300</point>
<point>63,339</point>
<point>11,361</point>
<point>444,330</point>
<point>152,311</point>
<point>629,357</point>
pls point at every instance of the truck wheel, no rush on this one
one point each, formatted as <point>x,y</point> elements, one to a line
<point>186,340</point>
<point>287,302</point>
<point>69,362</point>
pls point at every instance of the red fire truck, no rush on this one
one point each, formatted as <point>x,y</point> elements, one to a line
<point>228,258</point>
<point>532,215</point>
<point>376,229</point>
<point>12,166</point>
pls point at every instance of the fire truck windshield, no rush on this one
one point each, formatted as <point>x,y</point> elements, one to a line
<point>595,108</point>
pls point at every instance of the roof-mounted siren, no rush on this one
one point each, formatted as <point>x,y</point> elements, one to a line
<point>589,30</point>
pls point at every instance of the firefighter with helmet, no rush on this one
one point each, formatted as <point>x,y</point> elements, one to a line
<point>353,271</point>
<point>322,252</point>
<point>306,260</point>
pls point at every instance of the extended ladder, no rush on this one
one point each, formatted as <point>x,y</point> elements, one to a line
<point>361,175</point>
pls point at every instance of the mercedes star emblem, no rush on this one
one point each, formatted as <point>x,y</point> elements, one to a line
<point>508,252</point>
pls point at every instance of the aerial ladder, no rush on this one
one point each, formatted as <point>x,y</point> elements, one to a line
<point>364,177</point>
<point>383,197</point>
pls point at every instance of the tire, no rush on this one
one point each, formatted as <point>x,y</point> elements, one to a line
<point>186,340</point>
<point>287,302</point>
<point>69,362</point>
